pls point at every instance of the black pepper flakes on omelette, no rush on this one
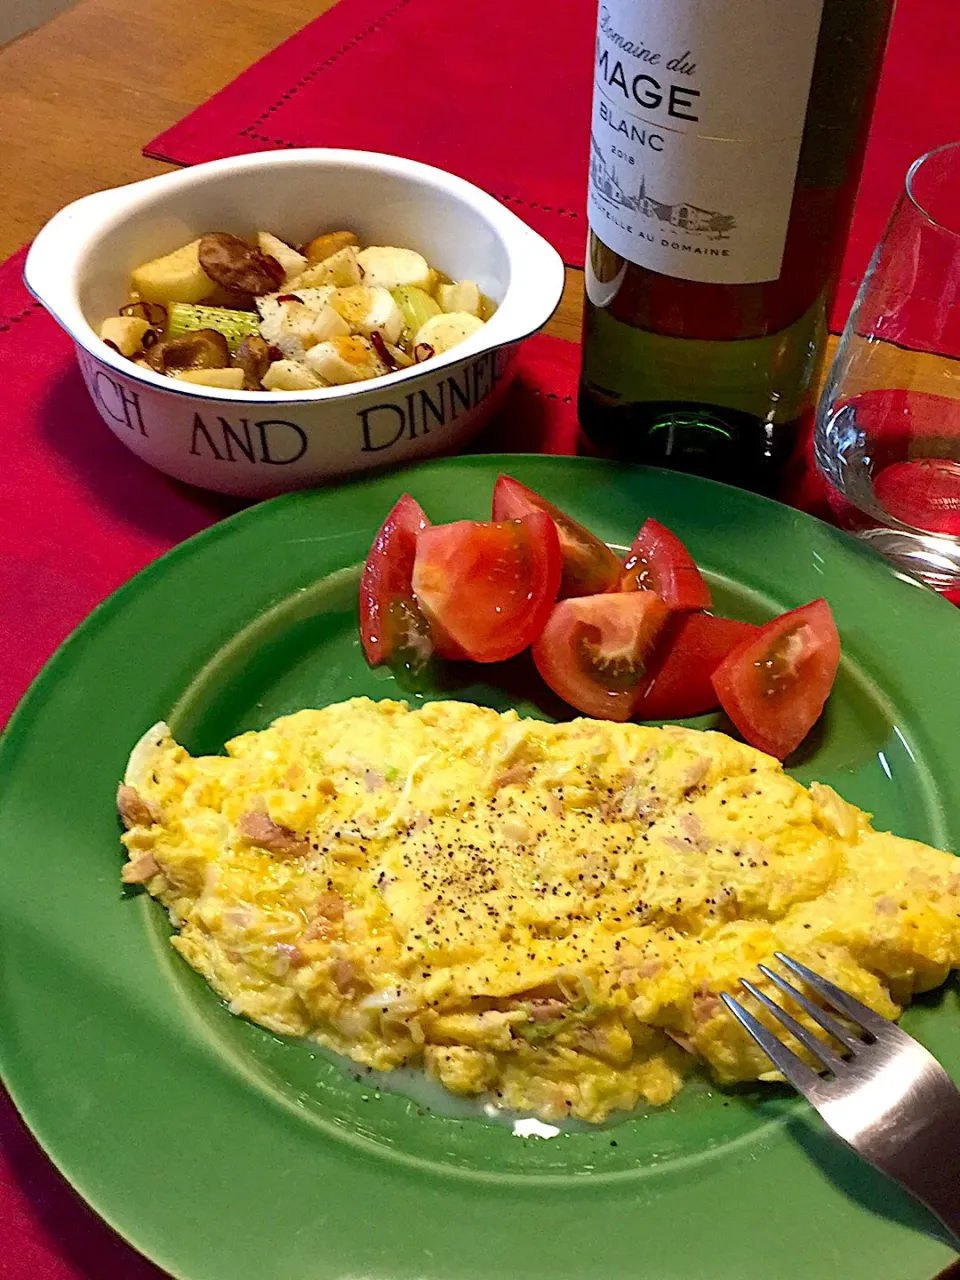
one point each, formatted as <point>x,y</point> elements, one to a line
<point>575,972</point>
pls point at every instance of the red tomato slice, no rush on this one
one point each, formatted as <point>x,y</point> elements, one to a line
<point>488,586</point>
<point>658,561</point>
<point>773,685</point>
<point>594,650</point>
<point>390,621</point>
<point>589,566</point>
<point>695,646</point>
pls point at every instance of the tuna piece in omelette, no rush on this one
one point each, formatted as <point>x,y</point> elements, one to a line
<point>544,914</point>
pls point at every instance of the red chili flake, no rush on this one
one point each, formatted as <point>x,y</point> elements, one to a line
<point>289,297</point>
<point>380,347</point>
<point>423,351</point>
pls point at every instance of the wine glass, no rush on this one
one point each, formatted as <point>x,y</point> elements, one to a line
<point>887,436</point>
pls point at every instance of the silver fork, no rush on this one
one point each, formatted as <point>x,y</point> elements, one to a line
<point>885,1096</point>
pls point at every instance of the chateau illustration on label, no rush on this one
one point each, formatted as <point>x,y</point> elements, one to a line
<point>685,216</point>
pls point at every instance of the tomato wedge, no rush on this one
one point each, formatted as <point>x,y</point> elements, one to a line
<point>589,566</point>
<point>594,650</point>
<point>488,586</point>
<point>390,621</point>
<point>694,645</point>
<point>773,685</point>
<point>658,561</point>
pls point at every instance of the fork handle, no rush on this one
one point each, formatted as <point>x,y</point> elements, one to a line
<point>931,1169</point>
<point>945,1203</point>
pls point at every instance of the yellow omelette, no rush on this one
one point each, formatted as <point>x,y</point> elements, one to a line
<point>541,914</point>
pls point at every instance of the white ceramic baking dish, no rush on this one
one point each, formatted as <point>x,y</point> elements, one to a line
<point>262,443</point>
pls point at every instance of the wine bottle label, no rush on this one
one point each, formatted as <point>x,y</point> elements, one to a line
<point>698,115</point>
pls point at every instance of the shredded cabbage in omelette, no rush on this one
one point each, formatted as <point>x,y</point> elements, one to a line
<point>543,914</point>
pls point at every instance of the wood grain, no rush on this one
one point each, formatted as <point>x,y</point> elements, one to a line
<point>80,97</point>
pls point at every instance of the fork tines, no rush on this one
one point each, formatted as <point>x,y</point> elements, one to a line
<point>794,1069</point>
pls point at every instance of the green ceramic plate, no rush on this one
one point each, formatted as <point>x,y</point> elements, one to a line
<point>225,1154</point>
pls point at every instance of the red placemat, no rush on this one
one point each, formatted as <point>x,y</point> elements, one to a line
<point>499,92</point>
<point>80,512</point>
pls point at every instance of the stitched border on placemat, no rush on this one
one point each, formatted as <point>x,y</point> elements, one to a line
<point>551,395</point>
<point>310,75</point>
<point>7,322</point>
<point>250,131</point>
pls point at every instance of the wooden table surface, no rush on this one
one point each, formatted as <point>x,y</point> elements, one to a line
<point>81,96</point>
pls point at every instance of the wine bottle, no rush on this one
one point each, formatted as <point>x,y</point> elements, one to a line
<point>726,145</point>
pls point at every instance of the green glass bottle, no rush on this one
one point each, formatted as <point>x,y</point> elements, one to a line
<point>726,147</point>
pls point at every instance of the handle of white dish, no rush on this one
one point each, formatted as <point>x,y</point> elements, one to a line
<point>51,266</point>
<point>537,272</point>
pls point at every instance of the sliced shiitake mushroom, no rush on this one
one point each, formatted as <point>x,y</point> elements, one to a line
<point>237,266</point>
<point>253,357</point>
<point>200,349</point>
<point>155,313</point>
<point>220,297</point>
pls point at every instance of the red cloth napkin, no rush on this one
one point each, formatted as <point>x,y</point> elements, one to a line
<point>499,92</point>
